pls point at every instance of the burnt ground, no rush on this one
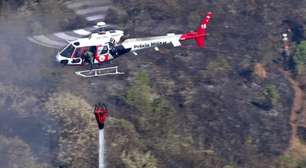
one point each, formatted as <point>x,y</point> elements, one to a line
<point>218,104</point>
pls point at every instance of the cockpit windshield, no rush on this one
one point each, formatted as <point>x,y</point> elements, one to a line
<point>68,51</point>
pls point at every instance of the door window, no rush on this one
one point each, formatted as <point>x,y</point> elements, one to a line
<point>82,50</point>
<point>104,50</point>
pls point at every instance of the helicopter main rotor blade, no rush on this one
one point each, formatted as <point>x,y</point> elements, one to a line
<point>95,17</point>
<point>60,39</point>
<point>65,36</point>
<point>35,41</point>
<point>92,10</point>
<point>79,4</point>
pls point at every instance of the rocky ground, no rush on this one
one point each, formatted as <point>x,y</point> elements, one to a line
<point>181,107</point>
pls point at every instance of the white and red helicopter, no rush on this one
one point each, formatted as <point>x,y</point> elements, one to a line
<point>106,45</point>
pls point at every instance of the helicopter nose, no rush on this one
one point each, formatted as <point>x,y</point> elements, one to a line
<point>58,59</point>
<point>61,59</point>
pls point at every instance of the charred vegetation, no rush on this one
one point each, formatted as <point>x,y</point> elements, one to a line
<point>175,108</point>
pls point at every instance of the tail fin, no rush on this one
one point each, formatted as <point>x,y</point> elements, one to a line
<point>202,30</point>
<point>199,35</point>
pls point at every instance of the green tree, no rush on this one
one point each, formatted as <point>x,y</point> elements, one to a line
<point>139,94</point>
<point>272,94</point>
<point>156,119</point>
<point>300,58</point>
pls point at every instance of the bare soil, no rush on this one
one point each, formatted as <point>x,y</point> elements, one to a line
<point>296,147</point>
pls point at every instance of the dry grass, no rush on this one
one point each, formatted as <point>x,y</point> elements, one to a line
<point>297,149</point>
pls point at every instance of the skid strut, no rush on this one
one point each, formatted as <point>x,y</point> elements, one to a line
<point>99,72</point>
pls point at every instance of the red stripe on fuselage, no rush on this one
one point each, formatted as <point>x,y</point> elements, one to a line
<point>106,58</point>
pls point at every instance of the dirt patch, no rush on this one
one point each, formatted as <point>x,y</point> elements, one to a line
<point>260,71</point>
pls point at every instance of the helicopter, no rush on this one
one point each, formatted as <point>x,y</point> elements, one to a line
<point>108,45</point>
<point>105,44</point>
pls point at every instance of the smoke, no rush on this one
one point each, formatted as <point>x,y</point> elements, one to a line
<point>21,62</point>
<point>27,71</point>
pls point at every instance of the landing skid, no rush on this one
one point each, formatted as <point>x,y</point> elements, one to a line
<point>99,72</point>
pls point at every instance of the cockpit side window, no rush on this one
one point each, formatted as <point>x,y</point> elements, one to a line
<point>68,51</point>
<point>104,50</point>
<point>79,52</point>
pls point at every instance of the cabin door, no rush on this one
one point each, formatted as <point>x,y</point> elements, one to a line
<point>104,54</point>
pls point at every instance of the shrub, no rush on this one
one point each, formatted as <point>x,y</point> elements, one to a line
<point>139,94</point>
<point>300,58</point>
<point>272,94</point>
<point>137,159</point>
